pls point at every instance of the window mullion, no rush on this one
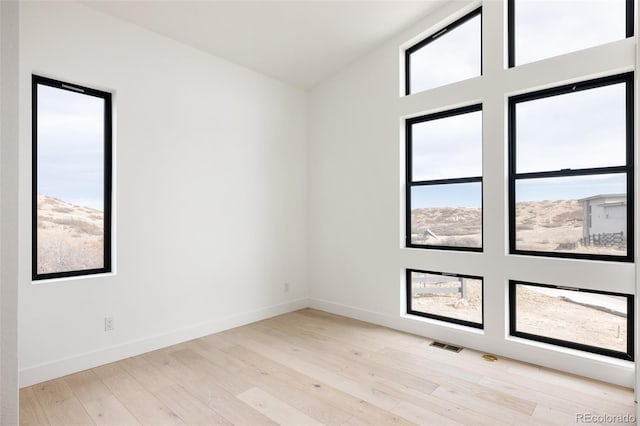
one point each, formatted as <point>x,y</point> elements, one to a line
<point>573,172</point>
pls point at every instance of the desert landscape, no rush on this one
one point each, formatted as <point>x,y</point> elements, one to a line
<point>547,225</point>
<point>589,325</point>
<point>447,226</point>
<point>451,305</point>
<point>540,226</point>
<point>70,237</point>
<point>538,313</point>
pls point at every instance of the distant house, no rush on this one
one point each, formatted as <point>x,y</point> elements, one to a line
<point>605,213</point>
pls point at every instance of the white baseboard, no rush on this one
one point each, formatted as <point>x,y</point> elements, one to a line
<point>584,364</point>
<point>356,313</point>
<point>587,365</point>
<point>50,370</point>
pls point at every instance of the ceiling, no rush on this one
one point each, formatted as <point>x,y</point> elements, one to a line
<point>299,42</point>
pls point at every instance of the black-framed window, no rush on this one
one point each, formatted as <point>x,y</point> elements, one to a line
<point>444,180</point>
<point>451,54</point>
<point>446,297</point>
<point>71,172</point>
<point>588,320</point>
<point>539,30</point>
<point>571,170</point>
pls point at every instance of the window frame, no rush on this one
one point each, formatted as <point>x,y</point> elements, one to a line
<point>457,321</point>
<point>410,183</point>
<point>434,36</point>
<point>628,356</point>
<point>107,178</point>
<point>511,29</point>
<point>628,168</point>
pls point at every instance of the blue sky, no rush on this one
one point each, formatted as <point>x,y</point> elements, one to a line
<point>569,188</point>
<point>70,146</point>
<point>456,195</point>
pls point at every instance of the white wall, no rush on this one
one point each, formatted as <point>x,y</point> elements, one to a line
<point>210,194</point>
<point>356,182</point>
<point>9,16</point>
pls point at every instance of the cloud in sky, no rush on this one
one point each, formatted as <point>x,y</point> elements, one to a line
<point>452,57</point>
<point>546,28</point>
<point>447,148</point>
<point>578,130</point>
<point>71,146</point>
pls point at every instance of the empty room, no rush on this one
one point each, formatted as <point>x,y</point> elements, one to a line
<point>318,212</point>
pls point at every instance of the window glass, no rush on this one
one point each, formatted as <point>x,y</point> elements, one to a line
<point>586,320</point>
<point>447,215</point>
<point>444,180</point>
<point>577,130</point>
<point>570,175</point>
<point>576,214</point>
<point>434,141</point>
<point>447,297</point>
<point>451,54</point>
<point>547,28</point>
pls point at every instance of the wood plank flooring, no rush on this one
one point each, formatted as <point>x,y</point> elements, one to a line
<point>313,368</point>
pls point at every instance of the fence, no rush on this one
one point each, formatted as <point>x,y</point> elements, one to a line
<point>604,239</point>
<point>460,288</point>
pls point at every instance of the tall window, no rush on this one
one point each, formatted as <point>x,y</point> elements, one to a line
<point>542,29</point>
<point>451,54</point>
<point>444,180</point>
<point>71,216</point>
<point>571,170</point>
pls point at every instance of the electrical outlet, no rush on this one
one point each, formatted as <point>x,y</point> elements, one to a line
<point>108,323</point>
<point>286,287</point>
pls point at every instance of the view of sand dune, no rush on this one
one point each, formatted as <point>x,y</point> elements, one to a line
<point>70,237</point>
<point>556,316</point>
<point>540,226</point>
<point>448,226</point>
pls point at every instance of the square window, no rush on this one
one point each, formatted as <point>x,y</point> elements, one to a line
<point>587,320</point>
<point>571,173</point>
<point>444,180</point>
<point>71,217</point>
<point>451,54</point>
<point>447,215</point>
<point>544,29</point>
<point>452,298</point>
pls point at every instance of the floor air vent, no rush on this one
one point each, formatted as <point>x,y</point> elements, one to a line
<point>446,347</point>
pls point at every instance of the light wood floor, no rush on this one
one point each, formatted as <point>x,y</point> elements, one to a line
<point>311,368</point>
